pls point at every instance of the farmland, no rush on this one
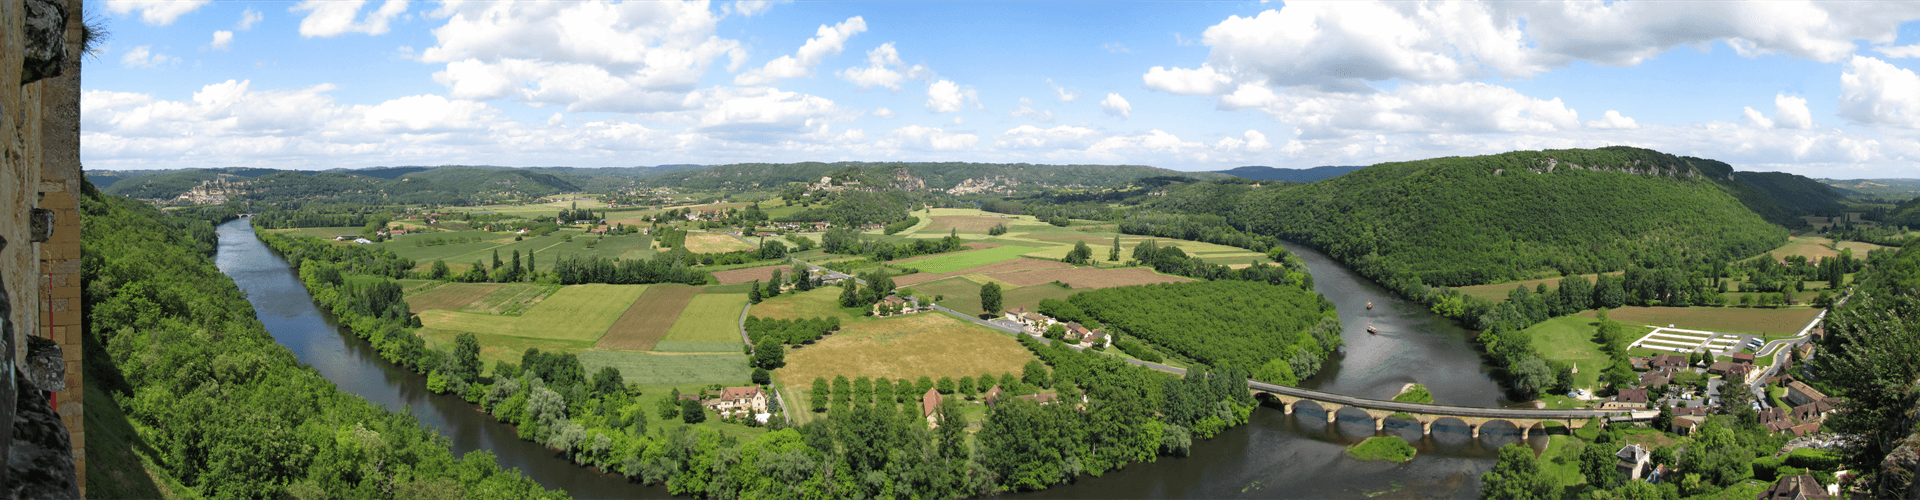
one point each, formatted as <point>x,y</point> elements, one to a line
<point>462,248</point>
<point>710,323</point>
<point>1497,292</point>
<point>964,223</point>
<point>648,318</point>
<point>671,369</point>
<point>819,303</point>
<point>451,296</point>
<point>1570,339</point>
<point>930,345</point>
<point>748,275</point>
<point>714,243</point>
<point>1087,277</point>
<point>998,267</point>
<point>1785,321</point>
<point>976,258</point>
<point>578,312</point>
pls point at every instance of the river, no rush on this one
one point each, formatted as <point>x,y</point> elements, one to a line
<point>1275,455</point>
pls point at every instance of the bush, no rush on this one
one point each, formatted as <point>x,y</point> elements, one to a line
<point>1058,221</point>
<point>1142,352</point>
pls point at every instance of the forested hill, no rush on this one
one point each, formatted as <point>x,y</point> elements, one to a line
<point>1487,219</point>
<point>447,184</point>
<point>1799,194</point>
<point>1288,174</point>
<point>996,177</point>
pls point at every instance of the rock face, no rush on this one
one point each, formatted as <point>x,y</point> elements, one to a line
<point>985,184</point>
<point>40,464</point>
<point>212,192</point>
<point>1895,477</point>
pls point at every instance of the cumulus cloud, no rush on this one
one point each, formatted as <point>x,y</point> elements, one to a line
<point>222,40</point>
<point>750,8</point>
<point>330,18</point>
<point>1035,138</point>
<point>156,12</point>
<point>1181,81</point>
<point>1116,106</point>
<point>1873,92</point>
<point>945,96</point>
<point>1613,120</point>
<point>144,57</point>
<point>764,112</point>
<point>828,41</point>
<point>884,69</point>
<point>1062,93</point>
<point>248,18</point>
<point>1791,112</point>
<point>1753,118</point>
<point>883,113</point>
<point>1252,141</point>
<point>1410,108</point>
<point>587,56</point>
<point>1899,52</point>
<point>928,138</point>
<point>1026,111</point>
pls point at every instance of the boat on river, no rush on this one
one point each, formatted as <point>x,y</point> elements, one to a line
<point>1369,305</point>
<point>1373,329</point>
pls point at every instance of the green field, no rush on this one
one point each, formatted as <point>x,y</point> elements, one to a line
<point>817,303</point>
<point>512,299</point>
<point>671,369</point>
<point>963,260</point>
<point>961,294</point>
<point>546,249</point>
<point>711,323</point>
<point>1569,339</point>
<point>576,312</point>
<point>1767,322</point>
<point>502,347</point>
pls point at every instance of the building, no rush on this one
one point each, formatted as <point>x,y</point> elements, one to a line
<point>929,403</point>
<point>906,306</point>
<point>1656,378</point>
<point>1015,314</point>
<point>1094,338</point>
<point>1633,461</point>
<point>1799,393</point>
<point>1628,398</point>
<point>1036,321</point>
<point>1667,361</point>
<point>993,395</point>
<point>1043,399</point>
<point>1776,419</point>
<point>1797,487</point>
<point>1745,358</point>
<point>1075,332</point>
<point>750,400</point>
<point>1816,410</point>
<point>1734,371</point>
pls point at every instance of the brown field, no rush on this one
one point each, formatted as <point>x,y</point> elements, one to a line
<point>1786,321</point>
<point>451,296</point>
<point>1097,242</point>
<point>648,319</point>
<point>714,243</point>
<point>968,223</point>
<point>751,274</point>
<point>997,267</point>
<point>927,344</point>
<point>1087,277</point>
<point>976,245</point>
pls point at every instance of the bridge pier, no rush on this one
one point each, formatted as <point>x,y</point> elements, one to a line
<point>1426,427</point>
<point>1475,428</point>
<point>1333,414</point>
<point>1379,424</point>
<point>1524,431</point>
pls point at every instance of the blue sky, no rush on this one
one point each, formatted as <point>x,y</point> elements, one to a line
<point>1825,89</point>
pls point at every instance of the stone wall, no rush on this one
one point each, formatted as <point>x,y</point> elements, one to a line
<point>60,179</point>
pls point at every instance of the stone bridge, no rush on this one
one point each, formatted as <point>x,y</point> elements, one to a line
<point>1428,414</point>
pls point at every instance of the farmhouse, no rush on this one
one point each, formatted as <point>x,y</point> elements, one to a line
<point>993,395</point>
<point>928,404</point>
<point>886,305</point>
<point>749,400</point>
<point>1812,411</point>
<point>1800,393</point>
<point>1656,378</point>
<point>1075,332</point>
<point>1667,361</point>
<point>1796,487</point>
<point>1775,419</point>
<point>1734,371</point>
<point>1036,321</point>
<point>1015,313</point>
<point>1745,358</point>
<point>1094,338</point>
<point>1633,461</point>
<point>1628,398</point>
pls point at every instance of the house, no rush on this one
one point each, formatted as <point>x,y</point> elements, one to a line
<point>1809,412</point>
<point>930,402</point>
<point>906,306</point>
<point>1805,350</point>
<point>397,232</point>
<point>1667,361</point>
<point>1094,338</point>
<point>1733,371</point>
<point>1804,429</point>
<point>1799,393</point>
<point>1036,321</point>
<point>1044,399</point>
<point>1015,314</point>
<point>1745,358</point>
<point>1684,425</point>
<point>1795,487</point>
<point>750,399</point>
<point>993,395</point>
<point>1633,461</point>
<point>1776,419</point>
<point>363,241</point>
<point>1656,378</point>
<point>1075,332</point>
<point>1628,398</point>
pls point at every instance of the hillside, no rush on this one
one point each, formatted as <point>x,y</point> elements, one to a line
<point>447,184</point>
<point>1487,219</point>
<point>1288,174</point>
<point>959,178</point>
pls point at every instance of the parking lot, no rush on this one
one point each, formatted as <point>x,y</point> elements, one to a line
<point>1684,341</point>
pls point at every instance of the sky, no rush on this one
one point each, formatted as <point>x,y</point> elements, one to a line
<point>1823,89</point>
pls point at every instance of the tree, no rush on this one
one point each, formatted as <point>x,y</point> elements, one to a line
<point>1055,332</point>
<point>849,293</point>
<point>439,271</point>
<point>946,385</point>
<point>1113,255</point>
<point>1035,374</point>
<point>1516,477</point>
<point>819,395</point>
<point>990,297</point>
<point>1531,375</point>
<point>466,357</point>
<point>1597,464</point>
<point>608,381</point>
<point>1609,292</point>
<point>965,386</point>
<point>769,353</point>
<point>773,284</point>
<point>1080,253</point>
<point>753,293</point>
<point>762,377</point>
<point>690,411</point>
<point>1717,455</point>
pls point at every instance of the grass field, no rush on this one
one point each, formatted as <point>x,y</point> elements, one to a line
<point>817,303</point>
<point>576,312</point>
<point>413,286</point>
<point>648,319</point>
<point>671,369</point>
<point>1776,322</point>
<point>1561,461</point>
<point>714,243</point>
<point>963,260</point>
<point>514,298</point>
<point>1010,265</point>
<point>1497,292</point>
<point>451,296</point>
<point>711,323</point>
<point>929,344</point>
<point>1569,339</point>
<point>751,274</point>
<point>1086,277</point>
<point>545,249</point>
<point>503,347</point>
<point>961,294</point>
<point>325,233</point>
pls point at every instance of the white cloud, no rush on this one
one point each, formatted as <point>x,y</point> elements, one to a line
<point>884,69</point>
<point>1873,92</point>
<point>750,8</point>
<point>247,19</point>
<point>928,138</point>
<point>1116,48</point>
<point>1753,118</point>
<point>1026,111</point>
<point>1181,81</point>
<point>156,12</point>
<point>883,113</point>
<point>587,56</point>
<point>1252,141</point>
<point>1614,121</point>
<point>222,40</point>
<point>762,112</point>
<point>1061,93</point>
<point>945,96</point>
<point>1791,112</point>
<point>1900,51</point>
<point>330,18</point>
<point>1411,108</point>
<point>1035,138</point>
<point>827,42</point>
<point>425,113</point>
<point>144,57</point>
<point>1155,141</point>
<point>1116,106</point>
